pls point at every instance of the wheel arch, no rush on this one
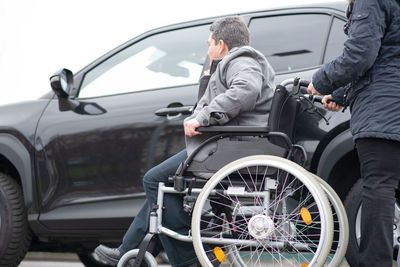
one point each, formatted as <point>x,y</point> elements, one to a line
<point>339,165</point>
<point>16,160</point>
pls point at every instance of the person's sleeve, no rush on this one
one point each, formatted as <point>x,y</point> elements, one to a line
<point>245,85</point>
<point>338,96</point>
<point>360,49</point>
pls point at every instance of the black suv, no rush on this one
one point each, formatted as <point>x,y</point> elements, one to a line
<point>71,165</point>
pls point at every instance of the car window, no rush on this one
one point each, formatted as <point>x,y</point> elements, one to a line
<point>290,42</point>
<point>166,59</point>
<point>336,40</point>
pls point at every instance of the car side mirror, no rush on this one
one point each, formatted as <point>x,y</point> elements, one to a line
<point>62,83</point>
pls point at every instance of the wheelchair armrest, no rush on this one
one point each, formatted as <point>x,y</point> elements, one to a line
<point>233,129</point>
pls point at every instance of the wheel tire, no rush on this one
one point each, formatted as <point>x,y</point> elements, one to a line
<point>288,167</point>
<point>341,226</point>
<point>15,235</point>
<point>352,205</point>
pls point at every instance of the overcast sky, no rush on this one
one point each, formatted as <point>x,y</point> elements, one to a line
<point>38,37</point>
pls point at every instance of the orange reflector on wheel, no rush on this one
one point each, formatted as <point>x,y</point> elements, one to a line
<point>219,253</point>
<point>305,265</point>
<point>306,216</point>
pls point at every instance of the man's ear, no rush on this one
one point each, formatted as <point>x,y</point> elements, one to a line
<point>223,47</point>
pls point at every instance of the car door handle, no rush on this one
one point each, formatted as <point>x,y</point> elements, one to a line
<point>174,111</point>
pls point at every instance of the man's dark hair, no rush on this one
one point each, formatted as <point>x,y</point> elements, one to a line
<point>232,30</point>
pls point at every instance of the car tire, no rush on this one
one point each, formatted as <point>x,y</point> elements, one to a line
<point>352,205</point>
<point>15,235</point>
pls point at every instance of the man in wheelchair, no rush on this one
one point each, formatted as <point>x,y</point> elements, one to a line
<point>237,91</point>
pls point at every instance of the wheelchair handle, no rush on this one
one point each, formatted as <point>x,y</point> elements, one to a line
<point>287,82</point>
<point>305,83</point>
<point>317,98</point>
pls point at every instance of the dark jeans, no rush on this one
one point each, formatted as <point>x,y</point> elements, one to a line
<point>380,168</point>
<point>174,217</point>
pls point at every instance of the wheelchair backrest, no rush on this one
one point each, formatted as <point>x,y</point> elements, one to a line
<point>282,117</point>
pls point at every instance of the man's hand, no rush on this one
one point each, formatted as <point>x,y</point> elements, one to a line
<point>190,127</point>
<point>332,106</point>
<point>312,90</point>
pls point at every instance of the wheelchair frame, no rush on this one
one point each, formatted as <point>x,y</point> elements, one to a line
<point>311,182</point>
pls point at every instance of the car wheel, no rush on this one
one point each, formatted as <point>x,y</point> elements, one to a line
<point>15,235</point>
<point>353,204</point>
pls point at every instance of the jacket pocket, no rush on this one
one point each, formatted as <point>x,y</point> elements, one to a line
<point>355,21</point>
<point>360,16</point>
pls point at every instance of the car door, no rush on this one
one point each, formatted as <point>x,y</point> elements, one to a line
<point>125,116</point>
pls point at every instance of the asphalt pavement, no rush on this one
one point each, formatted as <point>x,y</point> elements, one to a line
<point>42,259</point>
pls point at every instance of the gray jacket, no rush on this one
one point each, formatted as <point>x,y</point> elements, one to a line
<point>239,92</point>
<point>371,62</point>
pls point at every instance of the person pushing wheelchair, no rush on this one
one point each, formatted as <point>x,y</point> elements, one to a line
<point>368,69</point>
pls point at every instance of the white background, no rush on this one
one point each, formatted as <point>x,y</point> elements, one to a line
<point>38,37</point>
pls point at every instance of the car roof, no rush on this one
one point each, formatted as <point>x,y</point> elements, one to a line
<point>336,6</point>
<point>339,6</point>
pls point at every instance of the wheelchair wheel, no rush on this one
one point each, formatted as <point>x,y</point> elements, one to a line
<point>340,225</point>
<point>262,210</point>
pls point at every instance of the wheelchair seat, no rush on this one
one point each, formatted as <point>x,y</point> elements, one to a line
<point>229,149</point>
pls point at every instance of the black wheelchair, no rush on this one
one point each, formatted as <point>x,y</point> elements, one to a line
<point>260,207</point>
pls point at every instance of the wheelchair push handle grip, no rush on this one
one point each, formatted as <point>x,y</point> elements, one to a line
<point>295,82</point>
<point>317,98</point>
<point>304,83</point>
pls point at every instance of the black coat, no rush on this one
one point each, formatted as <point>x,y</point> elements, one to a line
<point>371,62</point>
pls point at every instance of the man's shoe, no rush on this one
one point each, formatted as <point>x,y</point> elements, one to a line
<point>108,255</point>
